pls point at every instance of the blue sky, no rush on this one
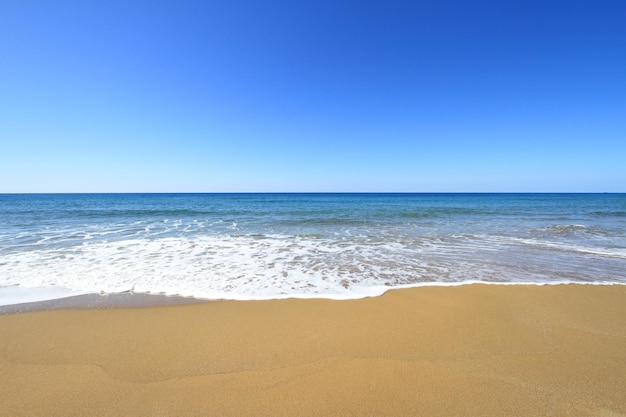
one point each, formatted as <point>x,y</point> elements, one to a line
<point>167,96</point>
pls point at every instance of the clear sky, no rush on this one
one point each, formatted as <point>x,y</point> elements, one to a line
<point>234,95</point>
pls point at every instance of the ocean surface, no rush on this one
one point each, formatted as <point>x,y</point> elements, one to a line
<point>341,246</point>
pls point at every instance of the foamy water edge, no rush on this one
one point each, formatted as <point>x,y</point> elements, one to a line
<point>15,294</point>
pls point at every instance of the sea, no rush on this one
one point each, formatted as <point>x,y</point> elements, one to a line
<point>270,246</point>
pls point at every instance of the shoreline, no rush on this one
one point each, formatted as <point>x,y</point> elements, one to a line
<point>472,350</point>
<point>126,299</point>
<point>132,299</point>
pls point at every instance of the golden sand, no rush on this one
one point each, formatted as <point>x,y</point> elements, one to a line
<point>476,350</point>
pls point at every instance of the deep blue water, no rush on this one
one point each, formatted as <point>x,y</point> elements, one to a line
<point>334,245</point>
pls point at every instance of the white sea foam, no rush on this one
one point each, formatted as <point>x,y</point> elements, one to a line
<point>617,253</point>
<point>18,295</point>
<point>210,267</point>
<point>281,266</point>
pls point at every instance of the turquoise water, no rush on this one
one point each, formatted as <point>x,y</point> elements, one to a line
<point>249,246</point>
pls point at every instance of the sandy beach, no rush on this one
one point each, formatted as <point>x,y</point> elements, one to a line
<point>475,350</point>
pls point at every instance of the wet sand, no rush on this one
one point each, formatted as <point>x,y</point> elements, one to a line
<point>476,350</point>
<point>113,300</point>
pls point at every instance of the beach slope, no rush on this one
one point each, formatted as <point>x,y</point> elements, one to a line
<point>475,350</point>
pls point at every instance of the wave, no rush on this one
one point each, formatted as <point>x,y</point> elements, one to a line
<point>142,213</point>
<point>556,246</point>
<point>608,213</point>
<point>445,212</point>
<point>279,266</point>
<point>573,230</point>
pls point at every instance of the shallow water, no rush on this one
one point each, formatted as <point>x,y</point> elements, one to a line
<point>257,246</point>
